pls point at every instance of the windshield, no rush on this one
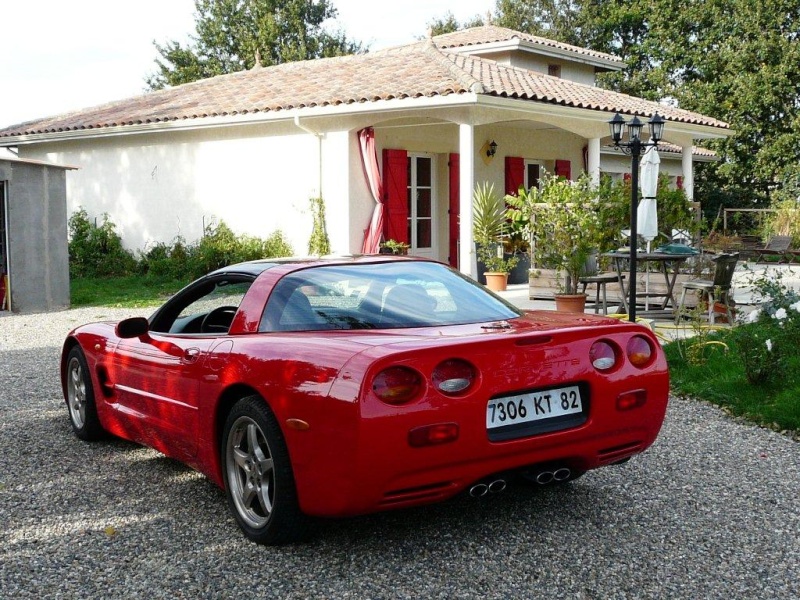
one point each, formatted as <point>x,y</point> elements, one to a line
<point>380,296</point>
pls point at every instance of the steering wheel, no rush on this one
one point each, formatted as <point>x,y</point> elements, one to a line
<point>218,320</point>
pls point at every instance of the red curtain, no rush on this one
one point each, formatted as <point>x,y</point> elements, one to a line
<point>369,161</point>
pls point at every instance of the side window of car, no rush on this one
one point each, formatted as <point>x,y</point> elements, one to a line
<point>206,308</point>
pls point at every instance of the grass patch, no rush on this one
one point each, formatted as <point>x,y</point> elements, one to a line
<point>133,291</point>
<point>720,378</point>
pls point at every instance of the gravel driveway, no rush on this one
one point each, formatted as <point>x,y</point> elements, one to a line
<point>710,511</point>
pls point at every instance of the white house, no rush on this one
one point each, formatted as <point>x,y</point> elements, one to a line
<point>252,147</point>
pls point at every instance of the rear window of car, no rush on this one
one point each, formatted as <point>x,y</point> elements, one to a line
<point>379,296</point>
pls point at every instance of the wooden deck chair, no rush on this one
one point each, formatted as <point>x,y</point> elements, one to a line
<point>716,291</point>
<point>777,245</point>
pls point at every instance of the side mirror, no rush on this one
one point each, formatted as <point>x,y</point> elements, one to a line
<point>132,328</point>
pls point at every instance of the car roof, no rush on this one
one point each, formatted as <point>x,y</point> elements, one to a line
<point>256,267</point>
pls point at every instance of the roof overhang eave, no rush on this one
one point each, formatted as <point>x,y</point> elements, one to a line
<point>589,122</point>
<point>542,49</point>
<point>379,106</point>
<point>596,116</point>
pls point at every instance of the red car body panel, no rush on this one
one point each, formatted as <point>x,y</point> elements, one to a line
<point>171,392</point>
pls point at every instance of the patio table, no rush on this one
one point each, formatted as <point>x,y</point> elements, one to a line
<point>667,264</point>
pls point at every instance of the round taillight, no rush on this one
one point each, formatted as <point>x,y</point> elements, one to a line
<point>453,376</point>
<point>603,356</point>
<point>397,385</point>
<point>639,351</point>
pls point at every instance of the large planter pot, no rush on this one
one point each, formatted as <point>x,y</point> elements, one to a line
<point>519,274</point>
<point>574,303</point>
<point>497,282</point>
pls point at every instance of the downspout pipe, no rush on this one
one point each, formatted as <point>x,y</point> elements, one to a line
<point>319,137</point>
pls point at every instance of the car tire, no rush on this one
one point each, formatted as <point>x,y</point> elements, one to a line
<point>258,476</point>
<point>80,399</point>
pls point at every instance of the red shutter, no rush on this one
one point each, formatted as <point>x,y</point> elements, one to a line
<point>679,182</point>
<point>563,169</point>
<point>515,174</point>
<point>454,210</point>
<point>395,195</point>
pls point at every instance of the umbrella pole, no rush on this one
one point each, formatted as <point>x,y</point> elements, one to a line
<point>647,281</point>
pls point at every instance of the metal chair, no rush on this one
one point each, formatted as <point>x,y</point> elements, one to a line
<point>714,291</point>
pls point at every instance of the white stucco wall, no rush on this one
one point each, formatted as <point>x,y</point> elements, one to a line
<point>572,71</point>
<point>547,145</point>
<point>156,187</point>
<point>618,164</point>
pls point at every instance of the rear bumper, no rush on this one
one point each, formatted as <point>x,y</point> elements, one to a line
<point>387,473</point>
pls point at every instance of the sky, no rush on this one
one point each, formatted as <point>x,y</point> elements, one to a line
<point>62,55</point>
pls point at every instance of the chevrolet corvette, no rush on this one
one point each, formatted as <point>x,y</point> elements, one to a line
<point>336,387</point>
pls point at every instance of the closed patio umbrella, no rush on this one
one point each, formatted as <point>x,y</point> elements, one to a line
<point>647,217</point>
<point>646,214</point>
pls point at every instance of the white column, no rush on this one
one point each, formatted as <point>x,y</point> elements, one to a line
<point>466,183</point>
<point>688,173</point>
<point>593,161</point>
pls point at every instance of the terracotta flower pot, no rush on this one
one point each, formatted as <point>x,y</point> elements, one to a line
<point>497,282</point>
<point>574,303</point>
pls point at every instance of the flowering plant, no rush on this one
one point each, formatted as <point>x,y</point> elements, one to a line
<point>768,335</point>
<point>563,223</point>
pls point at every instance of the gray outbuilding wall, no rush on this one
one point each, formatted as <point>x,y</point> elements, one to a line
<point>36,211</point>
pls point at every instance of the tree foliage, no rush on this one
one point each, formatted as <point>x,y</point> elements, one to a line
<point>730,59</point>
<point>234,35</point>
<point>448,24</point>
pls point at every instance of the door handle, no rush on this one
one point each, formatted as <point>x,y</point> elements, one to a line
<point>191,355</point>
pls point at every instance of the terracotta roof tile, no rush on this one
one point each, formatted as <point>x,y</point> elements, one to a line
<point>488,34</point>
<point>415,70</point>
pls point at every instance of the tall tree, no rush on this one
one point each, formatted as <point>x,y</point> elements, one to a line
<point>234,35</point>
<point>448,24</point>
<point>731,59</point>
<point>553,19</point>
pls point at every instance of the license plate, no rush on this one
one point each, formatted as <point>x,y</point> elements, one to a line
<point>533,406</point>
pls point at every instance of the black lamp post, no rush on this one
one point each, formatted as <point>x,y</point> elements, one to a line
<point>636,148</point>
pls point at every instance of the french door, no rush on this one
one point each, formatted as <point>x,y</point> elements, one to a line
<point>421,205</point>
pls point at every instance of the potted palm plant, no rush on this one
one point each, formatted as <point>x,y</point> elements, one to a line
<point>562,220</point>
<point>489,225</point>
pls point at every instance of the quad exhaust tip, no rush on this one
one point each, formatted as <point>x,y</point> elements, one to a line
<point>481,489</point>
<point>546,477</point>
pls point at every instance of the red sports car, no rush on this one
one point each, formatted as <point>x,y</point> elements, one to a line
<point>339,387</point>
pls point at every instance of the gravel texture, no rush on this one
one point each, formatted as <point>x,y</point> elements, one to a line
<point>710,511</point>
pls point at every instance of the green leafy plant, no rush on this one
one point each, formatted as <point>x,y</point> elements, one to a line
<point>785,220</point>
<point>673,207</point>
<point>96,250</point>
<point>220,246</point>
<point>769,335</point>
<point>319,244</point>
<point>489,228</point>
<point>563,224</point>
<point>395,247</point>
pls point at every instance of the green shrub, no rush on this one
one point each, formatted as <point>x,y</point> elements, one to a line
<point>674,211</point>
<point>96,250</point>
<point>318,244</point>
<point>767,341</point>
<point>220,247</point>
